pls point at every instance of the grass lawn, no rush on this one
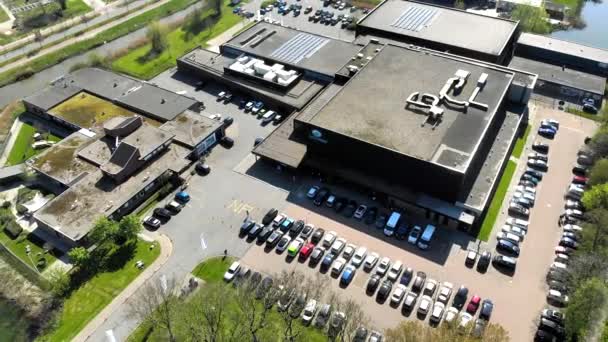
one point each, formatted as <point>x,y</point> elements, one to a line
<point>496,204</point>
<point>75,7</point>
<point>3,16</point>
<point>521,142</point>
<point>138,63</point>
<point>573,4</point>
<point>18,247</point>
<point>212,271</point>
<point>22,148</point>
<point>599,117</point>
<point>87,301</point>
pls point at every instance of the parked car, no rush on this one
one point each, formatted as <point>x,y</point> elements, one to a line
<point>322,316</point>
<point>471,258</point>
<point>409,302</point>
<point>384,290</point>
<point>370,261</point>
<point>152,222</point>
<point>337,267</point>
<point>254,231</point>
<point>430,287</point>
<point>269,217</point>
<point>338,246</point>
<point>486,309</point>
<point>460,297</point>
<point>539,156</point>
<point>414,235</point>
<point>312,192</point>
<point>276,222</point>
<point>547,132</point>
<point>273,238</point>
<point>370,215</point>
<point>541,147</point>
<point>321,196</point>
<point>538,164</point>
<point>519,210</point>
<point>265,233</point>
<point>296,228</point>
<point>425,305</point>
<point>232,271</point>
<point>174,207</point>
<point>380,221</point>
<point>484,261</point>
<point>348,274</point>
<point>359,256</point>
<point>360,211</point>
<point>283,243</point>
<point>501,261</point>
<point>509,237</point>
<point>445,292</point>
<point>398,294</point>
<point>473,305</point>
<point>437,312</point>
<point>406,277</point>
<point>316,255</point>
<point>327,261</point>
<point>294,247</point>
<point>450,315</point>
<point>348,251</point>
<point>418,284</point>
<point>553,315</point>
<point>309,311</point>
<point>383,266</point>
<point>317,235</point>
<point>372,284</point>
<point>553,328</point>
<point>202,168</point>
<point>329,238</point>
<point>557,297</point>
<point>508,246</point>
<point>306,250</point>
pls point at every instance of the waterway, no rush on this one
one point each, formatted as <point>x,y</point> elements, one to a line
<point>595,32</point>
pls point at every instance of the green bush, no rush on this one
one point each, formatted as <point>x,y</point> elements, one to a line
<point>6,204</point>
<point>21,209</point>
<point>13,230</point>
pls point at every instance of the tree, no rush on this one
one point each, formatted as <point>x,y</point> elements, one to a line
<point>63,4</point>
<point>59,282</point>
<point>599,143</point>
<point>128,228</point>
<point>459,4</point>
<point>596,197</point>
<point>599,172</point>
<point>584,266</point>
<point>156,35</point>
<point>157,305</point>
<point>532,19</point>
<point>415,331</point>
<point>80,256</point>
<point>584,309</point>
<point>103,230</point>
<point>595,232</point>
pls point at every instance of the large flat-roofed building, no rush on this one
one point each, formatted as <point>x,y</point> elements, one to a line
<point>281,66</point>
<point>444,29</point>
<point>417,125</point>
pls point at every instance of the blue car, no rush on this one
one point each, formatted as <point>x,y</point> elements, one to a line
<point>182,196</point>
<point>286,224</point>
<point>236,10</point>
<point>547,132</point>
<point>348,275</point>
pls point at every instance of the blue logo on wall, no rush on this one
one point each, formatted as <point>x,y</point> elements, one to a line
<point>317,135</point>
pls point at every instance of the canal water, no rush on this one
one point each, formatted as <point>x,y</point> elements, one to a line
<point>595,33</point>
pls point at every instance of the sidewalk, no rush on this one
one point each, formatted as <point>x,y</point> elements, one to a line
<point>14,132</point>
<point>166,247</point>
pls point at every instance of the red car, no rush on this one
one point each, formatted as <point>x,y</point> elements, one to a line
<point>473,305</point>
<point>580,180</point>
<point>306,250</point>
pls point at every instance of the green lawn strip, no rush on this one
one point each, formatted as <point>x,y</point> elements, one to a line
<point>212,270</point>
<point>521,142</point>
<point>22,148</point>
<point>88,300</point>
<point>599,117</point>
<point>137,63</point>
<point>3,16</point>
<point>108,35</point>
<point>497,200</point>
<point>18,247</point>
<point>76,7</point>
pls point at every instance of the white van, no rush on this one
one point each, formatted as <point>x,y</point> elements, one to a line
<point>518,222</point>
<point>268,116</point>
<point>392,223</point>
<point>427,236</point>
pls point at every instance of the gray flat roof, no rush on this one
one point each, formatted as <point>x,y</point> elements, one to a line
<point>372,106</point>
<point>564,46</point>
<point>190,128</point>
<point>293,47</point>
<point>555,74</point>
<point>158,102</point>
<point>100,82</point>
<point>444,25</point>
<point>51,96</point>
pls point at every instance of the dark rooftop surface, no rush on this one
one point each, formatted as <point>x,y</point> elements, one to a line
<point>290,46</point>
<point>49,97</point>
<point>160,103</point>
<point>444,25</point>
<point>554,73</point>
<point>190,128</point>
<point>101,82</point>
<point>564,46</point>
<point>372,106</point>
<point>296,96</point>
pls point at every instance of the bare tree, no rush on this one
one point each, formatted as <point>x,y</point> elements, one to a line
<point>253,314</point>
<point>156,304</point>
<point>205,316</point>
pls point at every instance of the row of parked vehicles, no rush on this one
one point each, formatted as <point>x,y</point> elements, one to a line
<point>254,107</point>
<point>393,224</point>
<point>342,260</point>
<point>297,305</point>
<point>171,208</point>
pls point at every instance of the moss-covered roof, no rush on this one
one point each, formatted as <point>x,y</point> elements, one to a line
<point>85,110</point>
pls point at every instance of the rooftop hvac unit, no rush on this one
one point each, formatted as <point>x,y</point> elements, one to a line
<point>374,40</point>
<point>359,55</point>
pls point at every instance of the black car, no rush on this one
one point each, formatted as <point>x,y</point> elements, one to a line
<point>554,328</point>
<point>507,246</point>
<point>316,256</point>
<point>360,335</point>
<point>321,197</point>
<point>246,227</point>
<point>580,169</point>
<point>265,233</point>
<point>418,284</point>
<point>340,204</point>
<point>202,168</point>
<point>162,213</point>
<point>372,284</point>
<point>460,297</point>
<point>370,215</point>
<point>270,215</point>
<point>273,239</point>
<point>227,142</point>
<point>255,230</point>
<point>486,309</point>
<point>534,173</point>
<point>553,315</point>
<point>380,221</point>
<point>542,336</point>
<point>296,228</point>
<point>317,235</point>
<point>484,261</point>
<point>500,261</point>
<point>567,242</point>
<point>558,285</point>
<point>385,290</point>
<point>264,287</point>
<point>350,209</point>
<point>401,232</point>
<point>228,121</point>
<point>541,147</point>
<point>152,222</point>
<point>406,277</point>
<point>327,261</point>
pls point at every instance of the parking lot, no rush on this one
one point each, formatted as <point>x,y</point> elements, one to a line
<point>239,186</point>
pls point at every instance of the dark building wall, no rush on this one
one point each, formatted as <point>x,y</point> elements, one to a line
<point>379,162</point>
<point>578,62</point>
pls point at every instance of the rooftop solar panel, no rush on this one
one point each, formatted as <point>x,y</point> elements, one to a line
<point>415,18</point>
<point>303,45</point>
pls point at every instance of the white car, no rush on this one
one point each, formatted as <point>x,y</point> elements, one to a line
<point>371,260</point>
<point>248,106</point>
<point>278,219</point>
<point>309,311</point>
<point>509,237</point>
<point>527,189</point>
<point>559,266</point>
<point>312,192</point>
<point>437,312</point>
<point>518,222</point>
<point>221,95</point>
<point>572,228</point>
<point>337,267</point>
<point>349,250</point>
<point>451,314</point>
<point>359,256</point>
<point>395,271</point>
<point>525,195</point>
<point>329,238</point>
<point>383,266</point>
<point>360,211</point>
<point>398,294</point>
<point>425,305</point>
<point>232,271</point>
<point>521,233</point>
<point>429,287</point>
<point>562,258</point>
<point>445,292</point>
<point>465,319</point>
<point>217,117</point>
<point>414,235</point>
<point>338,246</point>
<point>557,296</point>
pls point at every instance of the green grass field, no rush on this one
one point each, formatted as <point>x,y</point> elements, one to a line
<point>18,247</point>
<point>212,270</point>
<point>521,142</point>
<point>22,148</point>
<point>76,7</point>
<point>3,16</point>
<point>137,63</point>
<point>88,300</point>
<point>497,200</point>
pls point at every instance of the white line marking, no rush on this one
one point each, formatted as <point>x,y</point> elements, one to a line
<point>203,243</point>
